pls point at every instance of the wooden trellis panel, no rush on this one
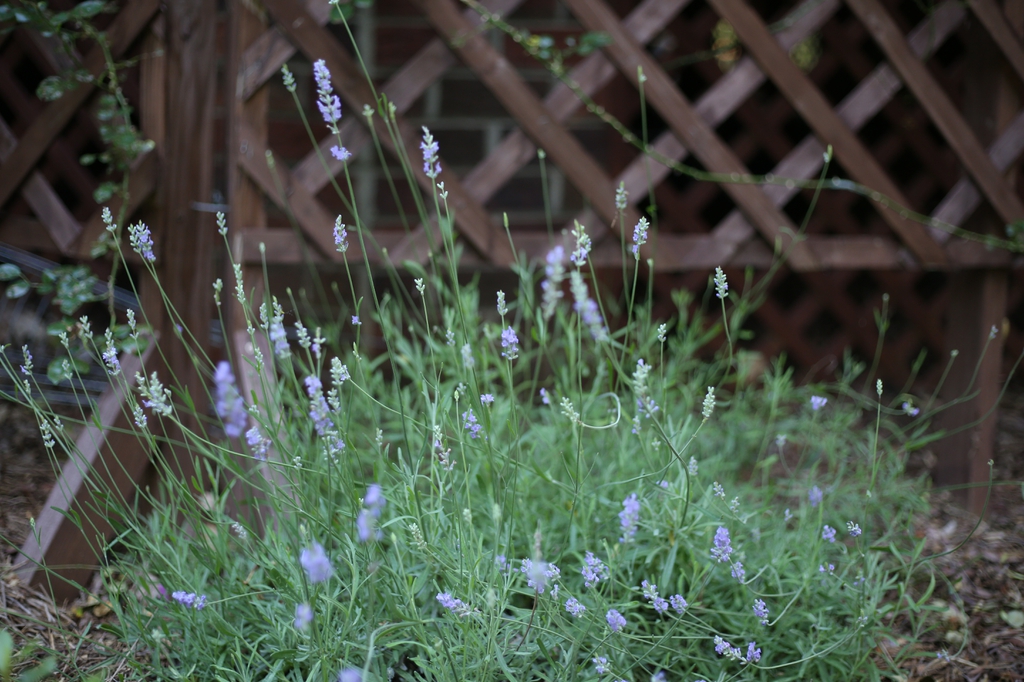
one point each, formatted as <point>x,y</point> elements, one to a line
<point>46,203</point>
<point>880,93</point>
<point>42,128</point>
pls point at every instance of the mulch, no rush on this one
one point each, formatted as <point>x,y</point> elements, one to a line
<point>973,623</point>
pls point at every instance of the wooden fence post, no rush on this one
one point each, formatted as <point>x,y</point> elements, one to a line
<point>184,236</point>
<point>974,322</point>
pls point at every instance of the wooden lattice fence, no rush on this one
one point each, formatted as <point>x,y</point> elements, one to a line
<point>47,200</point>
<point>919,104</point>
<point>882,89</point>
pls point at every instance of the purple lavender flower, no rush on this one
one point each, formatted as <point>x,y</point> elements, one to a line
<point>651,594</point>
<point>574,607</point>
<point>471,424</point>
<point>678,603</point>
<point>355,321</point>
<point>257,443</point>
<point>828,533</point>
<point>141,240</point>
<point>109,359</point>
<point>486,398</point>
<point>510,342</point>
<point>319,410</point>
<point>278,335</point>
<point>753,655</point>
<point>330,109</point>
<point>600,665</point>
<point>910,410</point>
<point>183,598</point>
<point>431,163</point>
<point>738,571</point>
<point>322,76</point>
<point>554,275</point>
<point>586,307</point>
<point>303,616</point>
<point>724,648</point>
<point>350,675</point>
<point>629,518</point>
<point>830,570</point>
<point>539,575</point>
<point>723,545</point>
<point>503,564</point>
<point>364,525</point>
<point>594,570</point>
<point>373,503</point>
<point>190,599</point>
<point>544,396</point>
<point>374,499</point>
<point>328,102</point>
<point>721,284</point>
<point>814,496</point>
<point>639,236</point>
<point>761,611</point>
<point>229,404</point>
<point>616,621</point>
<point>456,606</point>
<point>316,564</point>
<point>340,236</point>
<point>26,369</point>
<point>853,529</point>
<point>340,153</point>
<point>818,402</point>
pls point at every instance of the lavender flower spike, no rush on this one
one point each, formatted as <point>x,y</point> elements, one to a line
<point>229,404</point>
<point>594,570</point>
<point>629,518</point>
<point>303,616</point>
<point>761,611</point>
<point>141,241</point>
<point>431,162</point>
<point>639,236</point>
<point>328,102</point>
<point>616,621</point>
<point>723,545</point>
<point>510,342</point>
<point>316,564</point>
<point>574,608</point>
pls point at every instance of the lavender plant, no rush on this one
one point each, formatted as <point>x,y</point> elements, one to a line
<point>522,494</point>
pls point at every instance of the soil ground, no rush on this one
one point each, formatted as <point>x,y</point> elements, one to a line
<point>972,628</point>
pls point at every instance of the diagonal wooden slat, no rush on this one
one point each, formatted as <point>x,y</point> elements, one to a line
<point>688,126</point>
<point>316,43</point>
<point>994,21</point>
<point>714,107</point>
<point>964,198</point>
<point>128,24</point>
<point>516,150</point>
<point>939,107</point>
<point>519,100</point>
<point>263,59</point>
<point>403,88</point>
<point>309,213</point>
<point>106,457</point>
<point>818,114</point>
<point>855,110</point>
<point>62,227</point>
